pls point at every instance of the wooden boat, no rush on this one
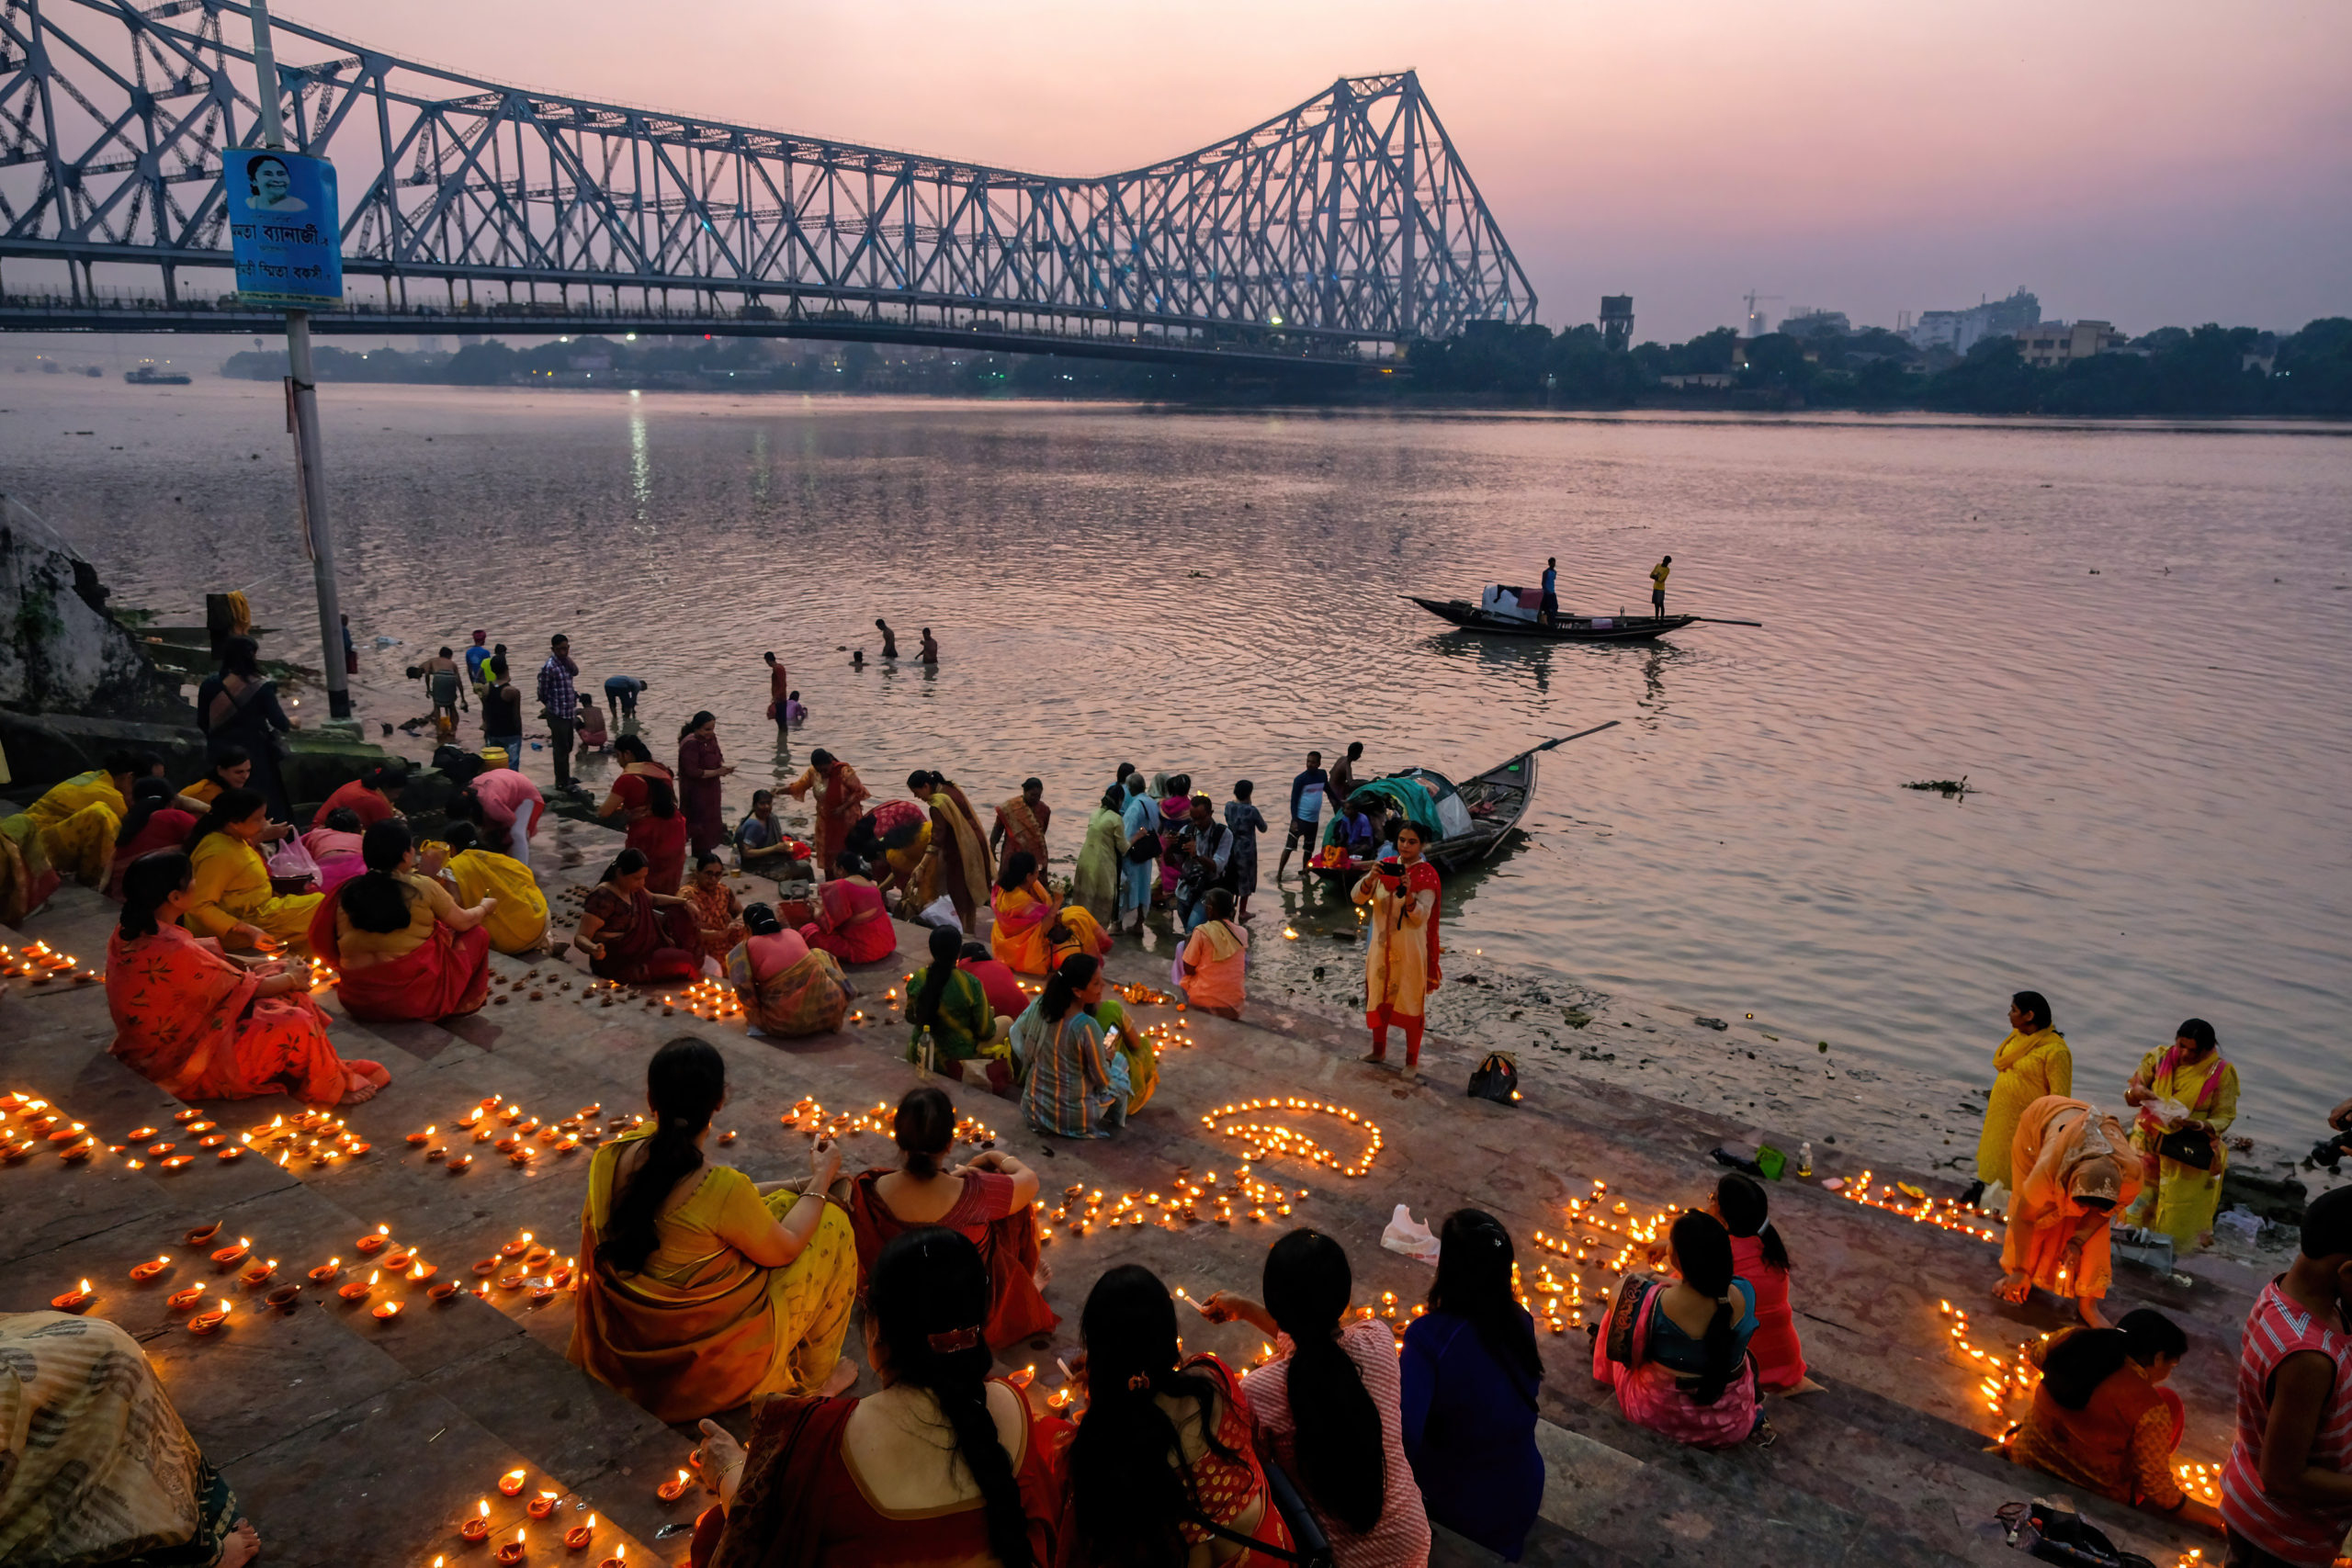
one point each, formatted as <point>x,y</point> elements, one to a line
<point>1565,628</point>
<point>1496,800</point>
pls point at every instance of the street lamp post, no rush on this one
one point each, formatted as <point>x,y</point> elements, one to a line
<point>302,410</point>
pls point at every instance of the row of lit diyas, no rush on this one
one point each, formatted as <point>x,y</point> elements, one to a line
<point>1080,1211</point>
<point>1944,1213</point>
<point>1265,1138</point>
<point>475,1529</point>
<point>808,1116</point>
<point>26,1122</point>
<point>256,1273</point>
<point>521,1137</point>
<point>44,964</point>
<point>1606,1235</point>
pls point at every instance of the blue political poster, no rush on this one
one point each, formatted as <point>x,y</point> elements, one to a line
<point>285,226</point>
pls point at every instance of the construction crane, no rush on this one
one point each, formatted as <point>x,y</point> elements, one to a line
<point>1755,318</point>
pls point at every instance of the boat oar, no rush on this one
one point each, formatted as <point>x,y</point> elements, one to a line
<point>1719,621</point>
<point>1579,735</point>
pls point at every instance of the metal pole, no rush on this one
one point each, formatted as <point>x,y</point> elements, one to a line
<point>302,391</point>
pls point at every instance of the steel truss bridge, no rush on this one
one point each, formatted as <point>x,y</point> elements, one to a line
<point>1330,233</point>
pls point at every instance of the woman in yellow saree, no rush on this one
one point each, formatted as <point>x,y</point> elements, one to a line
<point>2181,1153</point>
<point>2032,1062</point>
<point>76,821</point>
<point>230,895</point>
<point>2076,1170</point>
<point>960,849</point>
<point>1024,910</point>
<point>517,922</point>
<point>697,1289</point>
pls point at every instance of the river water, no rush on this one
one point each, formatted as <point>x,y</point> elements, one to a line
<point>2132,641</point>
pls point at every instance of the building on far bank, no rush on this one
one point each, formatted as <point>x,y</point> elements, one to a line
<point>1960,330</point>
<point>1807,321</point>
<point>1616,322</point>
<point>2054,345</point>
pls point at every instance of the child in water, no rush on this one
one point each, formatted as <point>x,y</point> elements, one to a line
<point>795,714</point>
<point>594,736</point>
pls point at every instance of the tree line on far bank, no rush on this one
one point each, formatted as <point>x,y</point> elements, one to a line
<point>2208,370</point>
<point>2205,371</point>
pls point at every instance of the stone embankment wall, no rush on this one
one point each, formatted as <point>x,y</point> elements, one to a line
<point>61,650</point>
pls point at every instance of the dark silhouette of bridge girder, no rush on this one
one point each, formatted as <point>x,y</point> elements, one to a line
<point>1330,233</point>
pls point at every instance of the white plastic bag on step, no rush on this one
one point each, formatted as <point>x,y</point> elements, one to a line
<point>1995,1198</point>
<point>1409,1237</point>
<point>940,912</point>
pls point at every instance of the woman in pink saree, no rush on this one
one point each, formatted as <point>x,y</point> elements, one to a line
<point>853,923</point>
<point>1676,1353</point>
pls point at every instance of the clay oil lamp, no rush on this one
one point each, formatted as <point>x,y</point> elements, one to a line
<point>325,1272</point>
<point>284,1297</point>
<point>512,1551</point>
<point>142,1272</point>
<point>437,1153</point>
<point>560,1275</point>
<point>619,1559</point>
<point>67,1134</point>
<point>357,1290</point>
<point>399,1259</point>
<point>567,1146</point>
<point>544,1290</point>
<point>671,1490</point>
<point>540,1507</point>
<point>517,1247</point>
<point>180,1300</point>
<point>185,1117</point>
<point>201,1126</point>
<point>386,1311</point>
<point>232,1152</point>
<point>577,1538</point>
<point>536,1256</point>
<point>511,1484</point>
<point>157,1151</point>
<point>76,1152</point>
<point>486,1266</point>
<point>210,1141</point>
<point>357,1148</point>
<point>420,1271</point>
<point>458,1167</point>
<point>228,1255</point>
<point>210,1322</point>
<point>178,1161</point>
<point>512,1282</point>
<point>257,1272</point>
<point>476,1531</point>
<point>444,1291</point>
<point>75,1300</point>
<point>373,1243</point>
<point>418,1140</point>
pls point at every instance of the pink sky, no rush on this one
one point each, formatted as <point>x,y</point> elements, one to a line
<point>2154,162</point>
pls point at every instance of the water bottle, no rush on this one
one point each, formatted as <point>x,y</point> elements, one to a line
<point>1804,1159</point>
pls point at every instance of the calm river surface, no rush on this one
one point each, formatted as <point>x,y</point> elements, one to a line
<point>2132,641</point>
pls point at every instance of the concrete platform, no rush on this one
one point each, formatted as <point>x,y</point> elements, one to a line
<point>352,1440</point>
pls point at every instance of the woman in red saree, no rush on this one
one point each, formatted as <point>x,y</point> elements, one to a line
<point>646,797</point>
<point>852,923</point>
<point>841,801</point>
<point>154,823</point>
<point>701,767</point>
<point>943,1466</point>
<point>1401,963</point>
<point>1761,1257</point>
<point>1132,1490</point>
<point>986,1201</point>
<point>204,1027</point>
<point>633,934</point>
<point>401,947</point>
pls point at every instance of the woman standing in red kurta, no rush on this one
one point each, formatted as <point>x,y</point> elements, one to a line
<point>701,767</point>
<point>204,1027</point>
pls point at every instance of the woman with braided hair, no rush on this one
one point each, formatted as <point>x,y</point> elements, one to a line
<point>1164,1465</point>
<point>942,1466</point>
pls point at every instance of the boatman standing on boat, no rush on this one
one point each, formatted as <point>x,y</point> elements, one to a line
<point>1658,575</point>
<point>1550,609</point>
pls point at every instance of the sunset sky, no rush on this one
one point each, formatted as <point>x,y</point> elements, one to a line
<point>2153,163</point>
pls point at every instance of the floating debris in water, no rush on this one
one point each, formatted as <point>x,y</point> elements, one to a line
<point>1951,789</point>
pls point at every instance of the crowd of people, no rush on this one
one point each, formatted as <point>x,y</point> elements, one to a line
<point>701,1289</point>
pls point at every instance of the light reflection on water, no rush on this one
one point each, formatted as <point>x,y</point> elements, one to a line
<point>2161,746</point>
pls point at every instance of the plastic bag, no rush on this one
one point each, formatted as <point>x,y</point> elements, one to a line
<point>1409,1237</point>
<point>940,912</point>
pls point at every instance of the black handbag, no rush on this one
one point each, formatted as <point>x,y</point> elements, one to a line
<point>2191,1146</point>
<point>1145,848</point>
<point>1497,1078</point>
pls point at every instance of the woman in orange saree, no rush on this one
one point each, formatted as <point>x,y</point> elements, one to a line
<point>986,1201</point>
<point>699,1289</point>
<point>1024,910</point>
<point>204,1027</point>
<point>2076,1170</point>
<point>400,947</point>
<point>841,801</point>
<point>719,915</point>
